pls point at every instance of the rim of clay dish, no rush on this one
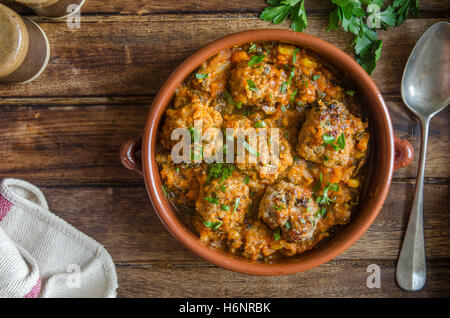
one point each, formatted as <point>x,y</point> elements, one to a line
<point>382,160</point>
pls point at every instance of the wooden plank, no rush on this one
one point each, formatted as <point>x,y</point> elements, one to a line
<point>335,279</point>
<point>133,55</point>
<point>122,219</point>
<point>76,145</point>
<point>142,7</point>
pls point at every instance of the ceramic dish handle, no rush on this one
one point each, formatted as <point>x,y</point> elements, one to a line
<point>128,156</point>
<point>404,154</point>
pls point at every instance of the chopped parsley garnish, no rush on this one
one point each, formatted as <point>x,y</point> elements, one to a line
<point>322,211</point>
<point>195,135</point>
<point>277,235</point>
<point>319,183</point>
<point>283,87</point>
<point>164,190</point>
<point>293,95</point>
<point>341,141</point>
<point>252,48</point>
<point>316,77</point>
<point>283,108</point>
<point>327,139</point>
<point>230,100</point>
<point>252,85</point>
<point>330,140</point>
<point>324,199</point>
<point>223,188</point>
<point>260,124</point>
<point>220,171</point>
<point>213,225</point>
<point>236,204</point>
<point>256,59</point>
<point>246,179</point>
<point>201,76</point>
<point>325,158</point>
<point>212,200</point>
<point>250,149</point>
<point>350,92</point>
<point>225,207</point>
<point>294,57</point>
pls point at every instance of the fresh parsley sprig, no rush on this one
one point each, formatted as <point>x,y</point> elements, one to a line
<point>279,10</point>
<point>354,16</point>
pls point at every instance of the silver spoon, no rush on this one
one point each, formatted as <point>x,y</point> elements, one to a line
<point>425,91</point>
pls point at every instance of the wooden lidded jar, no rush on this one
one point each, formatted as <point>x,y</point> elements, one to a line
<point>54,9</point>
<point>24,49</point>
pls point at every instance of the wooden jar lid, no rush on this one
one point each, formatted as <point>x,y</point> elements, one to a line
<point>14,41</point>
<point>24,50</point>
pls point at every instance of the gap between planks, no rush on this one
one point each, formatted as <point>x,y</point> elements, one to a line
<point>435,262</point>
<point>137,100</point>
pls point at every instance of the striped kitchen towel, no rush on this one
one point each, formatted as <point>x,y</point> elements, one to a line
<point>41,255</point>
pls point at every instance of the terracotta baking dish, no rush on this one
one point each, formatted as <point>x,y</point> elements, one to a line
<point>388,153</point>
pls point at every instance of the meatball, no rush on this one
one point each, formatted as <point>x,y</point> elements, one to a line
<point>291,208</point>
<point>269,166</point>
<point>186,117</point>
<point>327,135</point>
<point>212,75</point>
<point>257,239</point>
<point>261,86</point>
<point>223,204</point>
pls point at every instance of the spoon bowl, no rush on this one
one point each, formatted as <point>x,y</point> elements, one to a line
<point>426,79</point>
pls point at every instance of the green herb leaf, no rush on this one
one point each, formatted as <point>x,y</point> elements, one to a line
<point>236,204</point>
<point>225,207</point>
<point>256,59</point>
<point>213,225</point>
<point>246,179</point>
<point>294,56</point>
<point>327,139</point>
<point>195,134</point>
<point>341,141</point>
<point>260,124</point>
<point>350,93</point>
<point>250,149</point>
<point>220,171</point>
<point>287,225</point>
<point>201,76</point>
<point>212,200</point>
<point>293,95</point>
<point>252,85</point>
<point>277,235</point>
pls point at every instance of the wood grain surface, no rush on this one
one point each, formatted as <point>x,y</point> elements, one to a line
<point>63,131</point>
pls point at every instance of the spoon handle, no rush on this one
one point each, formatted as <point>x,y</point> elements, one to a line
<point>411,266</point>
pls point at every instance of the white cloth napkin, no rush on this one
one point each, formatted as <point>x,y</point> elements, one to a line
<point>41,255</point>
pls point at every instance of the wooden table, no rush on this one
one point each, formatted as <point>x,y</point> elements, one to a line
<point>63,131</point>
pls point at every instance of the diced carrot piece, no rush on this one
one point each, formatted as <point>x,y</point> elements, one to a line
<point>239,56</point>
<point>362,144</point>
